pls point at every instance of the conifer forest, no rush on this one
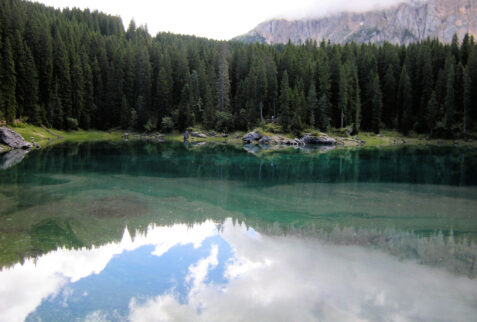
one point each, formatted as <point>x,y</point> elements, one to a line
<point>74,68</point>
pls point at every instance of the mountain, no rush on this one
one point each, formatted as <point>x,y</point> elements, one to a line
<point>404,23</point>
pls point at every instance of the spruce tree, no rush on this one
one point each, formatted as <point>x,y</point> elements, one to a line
<point>312,104</point>
<point>8,83</point>
<point>284,102</point>
<point>342,95</point>
<point>389,97</point>
<point>405,101</point>
<point>450,93</point>
<point>466,99</point>
<point>432,112</point>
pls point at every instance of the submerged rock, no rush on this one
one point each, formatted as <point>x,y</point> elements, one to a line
<point>318,140</point>
<point>12,158</point>
<point>13,139</point>
<point>251,148</point>
<point>250,137</point>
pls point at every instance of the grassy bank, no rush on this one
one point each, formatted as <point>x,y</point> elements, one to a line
<point>47,137</point>
<point>363,139</point>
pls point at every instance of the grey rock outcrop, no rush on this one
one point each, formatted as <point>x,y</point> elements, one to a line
<point>250,137</point>
<point>404,23</point>
<point>198,135</point>
<point>318,140</point>
<point>13,139</point>
<point>265,140</point>
<point>12,158</point>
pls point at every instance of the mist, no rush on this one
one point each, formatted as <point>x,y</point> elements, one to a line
<point>322,8</point>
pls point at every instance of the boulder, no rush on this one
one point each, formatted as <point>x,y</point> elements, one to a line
<point>13,139</point>
<point>250,137</point>
<point>265,140</point>
<point>12,158</point>
<point>198,135</point>
<point>318,140</point>
<point>186,136</point>
<point>299,142</point>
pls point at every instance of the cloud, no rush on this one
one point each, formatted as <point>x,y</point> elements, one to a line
<point>24,286</point>
<point>320,8</point>
<point>217,19</point>
<point>304,279</point>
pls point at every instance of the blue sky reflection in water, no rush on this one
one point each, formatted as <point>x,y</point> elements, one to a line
<point>144,231</point>
<point>213,272</point>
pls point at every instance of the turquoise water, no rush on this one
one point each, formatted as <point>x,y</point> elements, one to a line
<point>152,231</point>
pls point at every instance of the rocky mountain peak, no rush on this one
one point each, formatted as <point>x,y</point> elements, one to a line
<point>407,22</point>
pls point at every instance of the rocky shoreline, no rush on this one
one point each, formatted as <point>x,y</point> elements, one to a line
<point>18,148</point>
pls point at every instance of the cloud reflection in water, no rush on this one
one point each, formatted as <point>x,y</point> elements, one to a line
<point>204,273</point>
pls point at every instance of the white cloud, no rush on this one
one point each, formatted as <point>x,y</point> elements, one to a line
<point>24,286</point>
<point>288,278</point>
<point>216,19</point>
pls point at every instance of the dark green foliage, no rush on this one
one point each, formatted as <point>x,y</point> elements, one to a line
<point>324,112</point>
<point>284,102</point>
<point>432,112</point>
<point>466,99</point>
<point>8,83</point>
<point>72,64</point>
<point>405,101</point>
<point>312,103</point>
<point>450,93</point>
<point>72,124</point>
<point>376,100</point>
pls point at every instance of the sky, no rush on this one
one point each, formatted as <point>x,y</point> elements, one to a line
<point>216,19</point>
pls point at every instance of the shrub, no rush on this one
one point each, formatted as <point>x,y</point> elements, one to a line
<point>273,128</point>
<point>72,123</point>
<point>223,121</point>
<point>150,125</point>
<point>167,124</point>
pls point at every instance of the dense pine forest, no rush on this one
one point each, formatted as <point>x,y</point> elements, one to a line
<point>74,68</point>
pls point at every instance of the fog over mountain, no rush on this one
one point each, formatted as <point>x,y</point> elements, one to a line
<point>314,9</point>
<point>400,22</point>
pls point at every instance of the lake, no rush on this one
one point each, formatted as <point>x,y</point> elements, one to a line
<point>144,231</point>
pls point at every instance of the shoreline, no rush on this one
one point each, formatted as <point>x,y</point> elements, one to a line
<point>44,137</point>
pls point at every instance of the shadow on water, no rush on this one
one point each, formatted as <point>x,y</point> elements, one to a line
<point>416,165</point>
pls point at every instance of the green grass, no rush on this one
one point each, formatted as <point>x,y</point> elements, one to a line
<point>44,137</point>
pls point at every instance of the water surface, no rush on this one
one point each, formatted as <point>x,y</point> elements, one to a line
<point>147,231</point>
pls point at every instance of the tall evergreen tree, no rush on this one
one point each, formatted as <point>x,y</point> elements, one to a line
<point>466,99</point>
<point>432,112</point>
<point>223,82</point>
<point>8,83</point>
<point>284,102</point>
<point>450,92</point>
<point>342,95</point>
<point>389,97</point>
<point>405,101</point>
<point>312,103</point>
